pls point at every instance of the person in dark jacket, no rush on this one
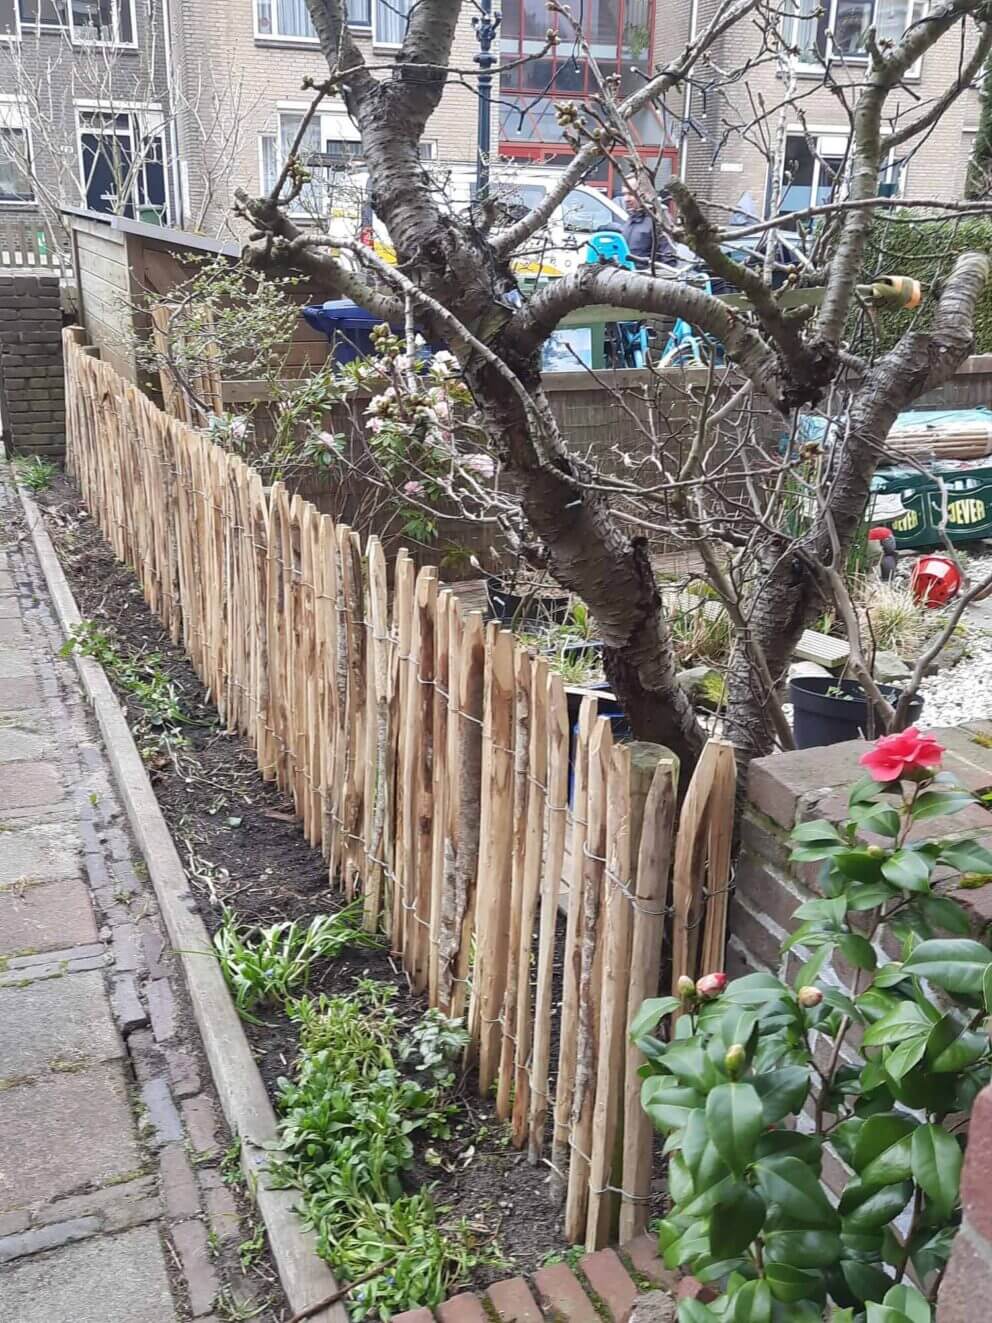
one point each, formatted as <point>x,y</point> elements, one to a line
<point>645,238</point>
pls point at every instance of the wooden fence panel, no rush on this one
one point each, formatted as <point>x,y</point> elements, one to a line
<point>429,758</point>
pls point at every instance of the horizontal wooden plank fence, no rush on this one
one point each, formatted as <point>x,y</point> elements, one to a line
<point>529,877</point>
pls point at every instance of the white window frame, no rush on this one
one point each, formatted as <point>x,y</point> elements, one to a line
<point>335,126</point>
<point>15,115</point>
<point>146,117</point>
<point>290,40</point>
<point>11,38</point>
<point>915,9</point>
<point>114,43</point>
<point>830,133</point>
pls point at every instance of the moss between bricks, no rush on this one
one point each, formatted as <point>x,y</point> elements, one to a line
<point>596,1300</point>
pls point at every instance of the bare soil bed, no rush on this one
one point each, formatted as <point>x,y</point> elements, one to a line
<point>243,849</point>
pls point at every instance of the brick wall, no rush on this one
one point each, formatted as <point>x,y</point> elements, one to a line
<point>32,382</point>
<point>787,788</point>
<point>967,1287</point>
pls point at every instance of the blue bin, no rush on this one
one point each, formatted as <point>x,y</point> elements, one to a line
<point>347,326</point>
<point>606,707</point>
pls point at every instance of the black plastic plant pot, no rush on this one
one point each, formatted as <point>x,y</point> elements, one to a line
<point>510,608</point>
<point>829,711</point>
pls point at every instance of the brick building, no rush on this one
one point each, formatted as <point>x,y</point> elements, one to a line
<point>84,115</point>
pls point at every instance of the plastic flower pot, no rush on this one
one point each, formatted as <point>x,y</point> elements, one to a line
<point>512,609</point>
<point>829,711</point>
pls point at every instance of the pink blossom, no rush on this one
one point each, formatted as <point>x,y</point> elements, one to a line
<point>909,753</point>
<point>710,986</point>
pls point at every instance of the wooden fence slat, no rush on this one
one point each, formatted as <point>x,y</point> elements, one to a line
<point>495,865</point>
<point>444,637</point>
<point>422,801</point>
<point>689,870</point>
<point>534,834</point>
<point>556,808</point>
<point>460,923</point>
<point>565,1083</point>
<point>719,843</point>
<point>377,749</point>
<point>522,683</point>
<point>589,980</point>
<point>402,630</point>
<point>654,858</point>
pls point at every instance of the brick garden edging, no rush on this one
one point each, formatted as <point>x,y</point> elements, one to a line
<point>605,1285</point>
<point>305,1278</point>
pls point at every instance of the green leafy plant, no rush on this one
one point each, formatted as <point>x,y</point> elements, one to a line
<point>268,964</point>
<point>433,1044</point>
<point>142,676</point>
<point>348,1121</point>
<point>36,474</point>
<point>759,1081</point>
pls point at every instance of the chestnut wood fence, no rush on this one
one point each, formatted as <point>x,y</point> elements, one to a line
<point>530,877</point>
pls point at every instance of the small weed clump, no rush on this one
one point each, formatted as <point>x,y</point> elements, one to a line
<point>143,677</point>
<point>271,963</point>
<point>35,473</point>
<point>348,1121</point>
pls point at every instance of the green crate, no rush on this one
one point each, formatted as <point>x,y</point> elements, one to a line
<point>909,502</point>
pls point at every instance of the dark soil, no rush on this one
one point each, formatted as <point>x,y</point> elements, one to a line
<point>243,848</point>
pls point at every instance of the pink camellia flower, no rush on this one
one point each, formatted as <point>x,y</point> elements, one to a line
<point>910,753</point>
<point>710,986</point>
<point>413,489</point>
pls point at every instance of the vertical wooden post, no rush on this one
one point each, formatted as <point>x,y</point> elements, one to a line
<point>460,924</point>
<point>445,639</point>
<point>654,859</point>
<point>689,871</point>
<point>522,682</point>
<point>403,629</point>
<point>719,842</point>
<point>422,711</point>
<point>556,808</point>
<point>565,1083</point>
<point>495,867</point>
<point>377,747</point>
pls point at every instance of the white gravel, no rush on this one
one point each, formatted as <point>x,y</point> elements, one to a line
<point>964,692</point>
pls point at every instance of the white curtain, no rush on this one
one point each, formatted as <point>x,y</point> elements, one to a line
<point>294,19</point>
<point>390,21</point>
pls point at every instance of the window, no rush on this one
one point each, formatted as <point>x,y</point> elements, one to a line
<point>391,17</point>
<point>9,20</point>
<point>329,148</point>
<point>822,30</point>
<point>122,157</point>
<point>289,20</point>
<point>813,170</point>
<point>15,155</point>
<point>584,211</point>
<point>88,22</point>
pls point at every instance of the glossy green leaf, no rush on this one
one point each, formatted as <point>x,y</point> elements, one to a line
<point>899,1061</point>
<point>858,865</point>
<point>970,1047</point>
<point>936,1166</point>
<point>734,1225</point>
<point>868,895</point>
<point>938,803</point>
<point>691,1311</point>
<point>752,1303</point>
<point>790,1143</point>
<point>815,831</point>
<point>753,990</point>
<point>788,1183</point>
<point>908,870</point>
<point>879,1133</point>
<point>691,1066</point>
<point>884,1314</point>
<point>889,1167</point>
<point>863,791</point>
<point>782,1092</point>
<point>945,914</point>
<point>667,1102</point>
<point>737,1025</point>
<point>864,1280</point>
<point>790,1284</point>
<point>877,1209</point>
<point>733,1122</point>
<point>955,964</point>
<point>890,975</point>
<point>651,1013</point>
<point>987,989</point>
<point>810,972</point>
<point>907,1019</point>
<point>858,951</point>
<point>802,1249</point>
<point>967,857</point>
<point>910,1301</point>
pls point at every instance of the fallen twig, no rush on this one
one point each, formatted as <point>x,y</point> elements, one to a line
<point>336,1296</point>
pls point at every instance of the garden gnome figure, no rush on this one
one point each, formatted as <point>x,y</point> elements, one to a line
<point>885,544</point>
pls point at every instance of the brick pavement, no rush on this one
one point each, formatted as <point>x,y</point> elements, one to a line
<point>112,1205</point>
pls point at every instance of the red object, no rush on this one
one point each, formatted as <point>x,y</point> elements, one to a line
<point>909,753</point>
<point>879,534</point>
<point>935,580</point>
<point>711,985</point>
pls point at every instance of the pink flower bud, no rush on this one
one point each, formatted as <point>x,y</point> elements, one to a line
<point>710,986</point>
<point>809,997</point>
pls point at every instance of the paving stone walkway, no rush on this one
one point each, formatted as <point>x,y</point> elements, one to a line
<point>112,1204</point>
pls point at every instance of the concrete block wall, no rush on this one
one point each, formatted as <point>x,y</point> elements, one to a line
<point>32,379</point>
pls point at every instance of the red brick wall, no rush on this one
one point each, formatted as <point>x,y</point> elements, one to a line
<point>967,1288</point>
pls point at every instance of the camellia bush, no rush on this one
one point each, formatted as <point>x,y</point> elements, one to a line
<point>762,1076</point>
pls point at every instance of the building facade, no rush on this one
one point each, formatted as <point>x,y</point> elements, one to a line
<point>85,116</point>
